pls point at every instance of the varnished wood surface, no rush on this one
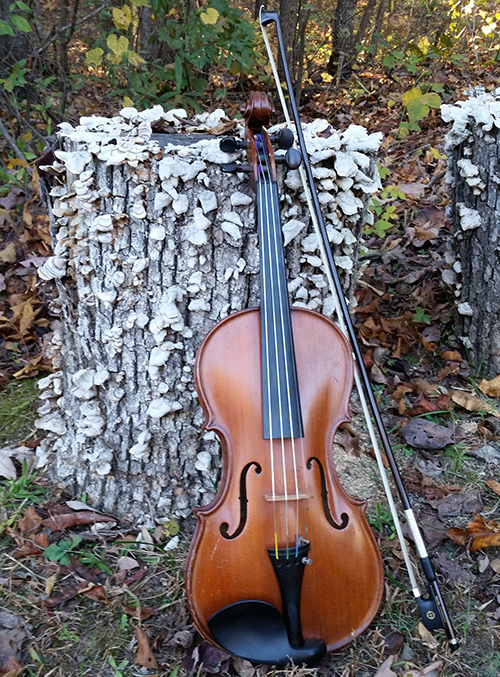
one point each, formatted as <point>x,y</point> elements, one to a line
<point>343,586</point>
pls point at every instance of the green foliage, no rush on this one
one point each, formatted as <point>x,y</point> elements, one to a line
<point>420,316</point>
<point>216,36</point>
<point>117,667</point>
<point>15,20</point>
<point>22,489</point>
<point>381,520</point>
<point>60,551</point>
<point>383,209</point>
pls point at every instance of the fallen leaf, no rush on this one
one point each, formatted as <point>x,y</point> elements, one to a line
<point>424,234</point>
<point>8,254</point>
<point>452,356</point>
<point>478,534</point>
<point>348,438</point>
<point>208,658</point>
<point>458,504</point>
<point>490,388</point>
<point>426,434</point>
<point>7,467</point>
<point>144,655</point>
<point>30,522</point>
<point>96,593</point>
<point>49,584</point>
<point>385,669</point>
<point>454,572</point>
<point>423,405</point>
<point>494,486</point>
<point>489,428</point>
<point>495,565</point>
<point>450,370</point>
<point>488,453</point>
<point>413,190</point>
<point>141,613</point>
<point>473,403</point>
<point>35,545</point>
<point>393,642</point>
<point>427,637</point>
<point>80,589</point>
<point>433,670</point>
<point>10,666</point>
<point>72,519</point>
<point>433,530</point>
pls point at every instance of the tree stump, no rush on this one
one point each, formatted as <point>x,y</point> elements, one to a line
<point>473,148</point>
<point>153,245</point>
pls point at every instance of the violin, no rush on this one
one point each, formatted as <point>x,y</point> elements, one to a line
<point>283,566</point>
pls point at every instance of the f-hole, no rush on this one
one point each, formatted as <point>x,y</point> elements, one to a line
<point>324,497</point>
<point>224,527</point>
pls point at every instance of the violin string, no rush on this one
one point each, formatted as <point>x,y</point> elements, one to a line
<point>268,384</point>
<point>283,309</point>
<point>267,266</point>
<point>273,257</point>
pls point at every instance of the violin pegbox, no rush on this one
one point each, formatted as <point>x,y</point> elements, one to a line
<point>284,141</point>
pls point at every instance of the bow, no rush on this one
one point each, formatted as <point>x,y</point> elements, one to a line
<point>431,604</point>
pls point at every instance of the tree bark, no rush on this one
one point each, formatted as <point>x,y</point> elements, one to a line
<point>473,148</point>
<point>152,247</point>
<point>342,56</point>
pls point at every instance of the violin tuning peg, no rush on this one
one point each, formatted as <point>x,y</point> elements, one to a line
<point>285,139</point>
<point>234,167</point>
<point>293,158</point>
<point>230,144</point>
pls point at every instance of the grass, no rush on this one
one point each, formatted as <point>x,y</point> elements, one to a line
<point>17,410</point>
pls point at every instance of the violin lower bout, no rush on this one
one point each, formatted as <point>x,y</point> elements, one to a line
<point>342,586</point>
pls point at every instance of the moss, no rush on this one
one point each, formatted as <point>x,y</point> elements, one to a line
<point>18,410</point>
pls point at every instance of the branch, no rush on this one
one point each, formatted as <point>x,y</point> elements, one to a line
<point>62,30</point>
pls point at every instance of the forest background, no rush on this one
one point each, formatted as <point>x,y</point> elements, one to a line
<point>386,65</point>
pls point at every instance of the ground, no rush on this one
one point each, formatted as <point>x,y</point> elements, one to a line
<point>83,595</point>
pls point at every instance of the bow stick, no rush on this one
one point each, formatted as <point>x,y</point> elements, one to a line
<point>431,606</point>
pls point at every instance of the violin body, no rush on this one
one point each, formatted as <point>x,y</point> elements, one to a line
<point>283,565</point>
<point>342,586</point>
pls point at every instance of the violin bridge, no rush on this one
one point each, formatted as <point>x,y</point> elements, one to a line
<point>301,496</point>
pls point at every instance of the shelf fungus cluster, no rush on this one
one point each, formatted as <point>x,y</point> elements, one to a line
<point>152,245</point>
<point>473,149</point>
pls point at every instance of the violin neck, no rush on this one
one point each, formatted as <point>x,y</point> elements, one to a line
<point>280,393</point>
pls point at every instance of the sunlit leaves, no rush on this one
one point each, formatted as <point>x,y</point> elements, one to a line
<point>94,57</point>
<point>118,45</point>
<point>122,18</point>
<point>209,17</point>
<point>418,104</point>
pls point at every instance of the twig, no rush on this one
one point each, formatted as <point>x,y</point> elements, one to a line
<point>55,35</point>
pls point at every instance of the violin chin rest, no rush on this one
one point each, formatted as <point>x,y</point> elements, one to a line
<point>256,631</point>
